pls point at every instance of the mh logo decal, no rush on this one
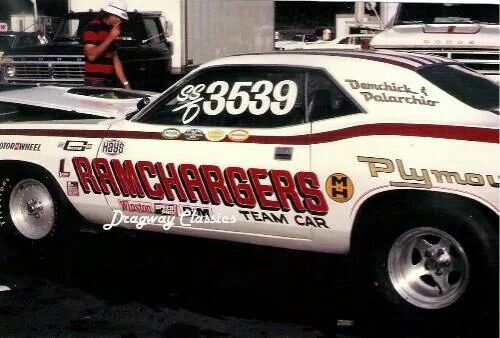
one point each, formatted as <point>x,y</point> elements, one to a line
<point>339,187</point>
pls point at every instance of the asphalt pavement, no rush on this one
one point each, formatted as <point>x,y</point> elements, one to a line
<point>128,284</point>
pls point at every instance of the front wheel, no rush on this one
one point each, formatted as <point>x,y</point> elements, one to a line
<point>32,209</point>
<point>30,215</point>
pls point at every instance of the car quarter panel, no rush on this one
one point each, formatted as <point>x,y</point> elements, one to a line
<point>52,148</point>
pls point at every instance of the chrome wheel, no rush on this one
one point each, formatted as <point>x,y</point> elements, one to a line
<point>428,268</point>
<point>32,209</point>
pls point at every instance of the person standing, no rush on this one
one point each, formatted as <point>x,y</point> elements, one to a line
<point>102,63</point>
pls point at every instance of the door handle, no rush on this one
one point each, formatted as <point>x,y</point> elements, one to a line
<point>283,153</point>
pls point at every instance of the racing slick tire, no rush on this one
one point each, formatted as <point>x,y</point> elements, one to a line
<point>438,262</point>
<point>30,215</point>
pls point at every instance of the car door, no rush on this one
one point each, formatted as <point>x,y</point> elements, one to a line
<point>333,114</point>
<point>229,141</point>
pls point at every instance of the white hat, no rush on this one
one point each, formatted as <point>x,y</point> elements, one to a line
<point>118,8</point>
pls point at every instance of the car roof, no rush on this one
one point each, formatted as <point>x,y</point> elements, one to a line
<point>313,58</point>
<point>105,102</point>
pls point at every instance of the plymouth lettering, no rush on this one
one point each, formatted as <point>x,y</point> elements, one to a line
<point>424,178</point>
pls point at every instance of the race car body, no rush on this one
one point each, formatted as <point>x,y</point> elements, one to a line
<point>318,151</point>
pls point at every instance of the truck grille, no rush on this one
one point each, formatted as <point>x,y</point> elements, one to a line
<point>484,62</point>
<point>54,70</point>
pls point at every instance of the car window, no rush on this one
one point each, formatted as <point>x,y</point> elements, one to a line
<point>27,40</point>
<point>344,41</point>
<point>325,100</point>
<point>464,84</point>
<point>6,42</point>
<point>251,97</point>
<point>152,30</point>
<point>310,38</point>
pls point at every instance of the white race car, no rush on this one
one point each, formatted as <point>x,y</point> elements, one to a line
<point>388,156</point>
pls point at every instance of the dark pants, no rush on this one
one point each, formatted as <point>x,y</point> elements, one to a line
<point>100,83</point>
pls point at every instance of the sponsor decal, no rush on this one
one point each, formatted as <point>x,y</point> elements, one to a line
<point>256,98</point>
<point>112,147</point>
<point>171,134</point>
<point>238,135</point>
<point>339,188</point>
<point>406,95</point>
<point>280,218</point>
<point>267,189</point>
<point>194,135</point>
<point>423,178</point>
<point>62,171</point>
<point>20,146</point>
<point>194,210</point>
<point>72,189</point>
<point>76,145</point>
<point>166,209</point>
<point>136,206</point>
<point>216,135</point>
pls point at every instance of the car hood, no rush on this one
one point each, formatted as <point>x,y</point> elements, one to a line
<point>57,48</point>
<point>75,106</point>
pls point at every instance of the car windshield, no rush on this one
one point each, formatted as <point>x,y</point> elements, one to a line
<point>435,13</point>
<point>6,42</point>
<point>70,29</point>
<point>464,84</point>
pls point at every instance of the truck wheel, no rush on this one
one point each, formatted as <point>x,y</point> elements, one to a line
<point>28,210</point>
<point>436,265</point>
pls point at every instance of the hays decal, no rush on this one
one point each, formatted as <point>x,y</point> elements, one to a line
<point>273,190</point>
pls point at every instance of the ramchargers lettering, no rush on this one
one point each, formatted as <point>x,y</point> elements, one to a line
<point>423,178</point>
<point>207,184</point>
<point>20,146</point>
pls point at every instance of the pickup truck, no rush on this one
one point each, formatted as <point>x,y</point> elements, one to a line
<point>143,50</point>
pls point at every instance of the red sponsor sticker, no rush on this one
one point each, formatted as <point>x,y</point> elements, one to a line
<point>72,189</point>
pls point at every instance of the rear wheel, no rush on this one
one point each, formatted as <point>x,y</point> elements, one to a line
<point>428,268</point>
<point>439,262</point>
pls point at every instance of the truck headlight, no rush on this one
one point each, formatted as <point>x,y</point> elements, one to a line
<point>10,71</point>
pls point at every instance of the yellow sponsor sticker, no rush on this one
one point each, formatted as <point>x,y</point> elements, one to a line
<point>216,135</point>
<point>238,135</point>
<point>339,188</point>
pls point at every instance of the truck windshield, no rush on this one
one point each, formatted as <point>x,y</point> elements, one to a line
<point>464,84</point>
<point>70,29</point>
<point>435,13</point>
<point>6,42</point>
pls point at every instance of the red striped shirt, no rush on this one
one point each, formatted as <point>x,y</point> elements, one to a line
<point>103,67</point>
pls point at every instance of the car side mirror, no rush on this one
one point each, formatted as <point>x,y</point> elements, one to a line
<point>143,103</point>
